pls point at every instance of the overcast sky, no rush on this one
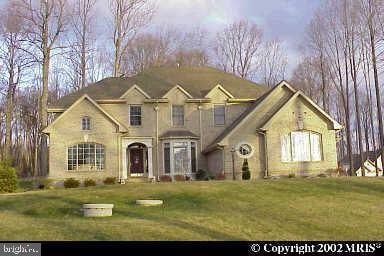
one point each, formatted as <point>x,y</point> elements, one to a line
<point>283,19</point>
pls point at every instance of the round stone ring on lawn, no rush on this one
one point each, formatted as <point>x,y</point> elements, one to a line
<point>97,210</point>
<point>149,202</point>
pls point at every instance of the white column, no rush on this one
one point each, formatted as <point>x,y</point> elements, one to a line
<point>150,170</point>
<point>124,159</point>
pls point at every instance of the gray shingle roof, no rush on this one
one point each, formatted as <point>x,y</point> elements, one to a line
<point>178,134</point>
<point>198,81</point>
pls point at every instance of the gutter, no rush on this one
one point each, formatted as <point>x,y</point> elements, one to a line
<point>264,134</point>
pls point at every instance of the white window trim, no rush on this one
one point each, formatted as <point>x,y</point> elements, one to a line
<point>310,148</point>
<point>225,113</point>
<point>245,156</point>
<point>183,115</point>
<point>129,115</point>
<point>171,158</point>
<point>77,154</point>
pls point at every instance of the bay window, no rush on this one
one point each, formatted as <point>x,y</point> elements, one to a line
<point>179,157</point>
<point>301,146</point>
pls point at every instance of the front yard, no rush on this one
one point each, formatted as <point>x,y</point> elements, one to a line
<point>288,209</point>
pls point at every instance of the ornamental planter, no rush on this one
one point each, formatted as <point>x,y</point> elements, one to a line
<point>97,210</point>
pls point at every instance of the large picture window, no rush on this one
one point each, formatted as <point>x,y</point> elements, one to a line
<point>301,146</point>
<point>180,157</point>
<point>86,156</point>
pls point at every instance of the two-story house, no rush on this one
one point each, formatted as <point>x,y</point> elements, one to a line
<point>169,121</point>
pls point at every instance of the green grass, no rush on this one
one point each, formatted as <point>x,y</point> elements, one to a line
<point>288,209</point>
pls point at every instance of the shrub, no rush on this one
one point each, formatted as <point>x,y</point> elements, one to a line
<point>246,173</point>
<point>165,178</point>
<point>71,183</point>
<point>220,176</point>
<point>89,183</point>
<point>179,177</point>
<point>322,175</point>
<point>201,175</point>
<point>109,181</point>
<point>8,178</point>
<point>291,175</point>
<point>45,183</point>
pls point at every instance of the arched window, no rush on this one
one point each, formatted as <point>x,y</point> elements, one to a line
<point>86,156</point>
<point>85,123</point>
<point>301,146</point>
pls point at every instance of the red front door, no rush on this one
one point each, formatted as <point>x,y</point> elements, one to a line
<point>136,159</point>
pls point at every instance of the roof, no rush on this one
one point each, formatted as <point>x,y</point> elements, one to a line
<point>156,82</point>
<point>356,160</point>
<point>178,134</point>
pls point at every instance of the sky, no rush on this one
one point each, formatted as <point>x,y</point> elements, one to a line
<point>282,19</point>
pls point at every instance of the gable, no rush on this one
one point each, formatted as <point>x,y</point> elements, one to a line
<point>219,94</point>
<point>135,92</point>
<point>84,106</point>
<point>177,95</point>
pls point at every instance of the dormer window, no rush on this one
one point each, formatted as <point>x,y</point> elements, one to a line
<point>85,123</point>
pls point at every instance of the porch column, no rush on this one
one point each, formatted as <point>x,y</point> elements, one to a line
<point>150,170</point>
<point>124,160</point>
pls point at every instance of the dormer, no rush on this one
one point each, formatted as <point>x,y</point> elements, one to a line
<point>135,95</point>
<point>219,94</point>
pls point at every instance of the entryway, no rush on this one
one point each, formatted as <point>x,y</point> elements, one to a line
<point>137,154</point>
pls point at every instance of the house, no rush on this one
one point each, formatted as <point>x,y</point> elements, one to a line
<point>369,159</point>
<point>169,121</point>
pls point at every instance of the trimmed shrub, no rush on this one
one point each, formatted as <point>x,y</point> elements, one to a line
<point>291,175</point>
<point>220,176</point>
<point>179,177</point>
<point>71,183</point>
<point>246,175</point>
<point>89,183</point>
<point>8,178</point>
<point>45,184</point>
<point>165,178</point>
<point>109,181</point>
<point>201,175</point>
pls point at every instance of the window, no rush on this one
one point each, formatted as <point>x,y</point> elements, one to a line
<point>135,115</point>
<point>180,157</point>
<point>301,146</point>
<point>193,157</point>
<point>167,158</point>
<point>219,114</point>
<point>85,123</point>
<point>86,156</point>
<point>178,115</point>
<point>244,150</point>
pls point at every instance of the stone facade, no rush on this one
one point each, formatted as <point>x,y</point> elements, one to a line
<point>216,146</point>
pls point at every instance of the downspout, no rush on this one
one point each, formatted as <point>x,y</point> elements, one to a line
<point>264,134</point>
<point>200,107</point>
<point>119,156</point>
<point>156,108</point>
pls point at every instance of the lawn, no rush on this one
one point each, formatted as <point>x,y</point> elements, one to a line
<point>286,209</point>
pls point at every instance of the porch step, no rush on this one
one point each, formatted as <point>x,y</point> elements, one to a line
<point>137,179</point>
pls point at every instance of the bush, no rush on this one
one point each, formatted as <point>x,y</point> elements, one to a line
<point>109,181</point>
<point>220,176</point>
<point>202,175</point>
<point>322,175</point>
<point>165,178</point>
<point>89,183</point>
<point>179,177</point>
<point>291,175</point>
<point>246,173</point>
<point>8,178</point>
<point>71,183</point>
<point>45,184</point>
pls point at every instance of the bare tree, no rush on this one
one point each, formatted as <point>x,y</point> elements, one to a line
<point>237,46</point>
<point>45,20</point>
<point>81,24</point>
<point>273,62</point>
<point>128,17</point>
<point>14,60</point>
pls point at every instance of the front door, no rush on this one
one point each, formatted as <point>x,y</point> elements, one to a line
<point>136,161</point>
